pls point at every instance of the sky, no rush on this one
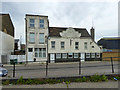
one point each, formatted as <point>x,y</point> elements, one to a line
<point>103,16</point>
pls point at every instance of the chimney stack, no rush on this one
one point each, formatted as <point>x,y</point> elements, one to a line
<point>92,32</point>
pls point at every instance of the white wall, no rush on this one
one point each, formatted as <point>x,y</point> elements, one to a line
<point>71,48</point>
<point>6,44</point>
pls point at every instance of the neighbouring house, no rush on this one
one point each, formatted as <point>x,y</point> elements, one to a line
<point>19,48</point>
<point>58,44</point>
<point>6,38</point>
<point>111,47</point>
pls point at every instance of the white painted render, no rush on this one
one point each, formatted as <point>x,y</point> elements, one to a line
<point>6,44</point>
<point>71,48</point>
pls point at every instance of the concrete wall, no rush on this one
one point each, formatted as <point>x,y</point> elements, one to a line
<point>71,48</point>
<point>6,45</point>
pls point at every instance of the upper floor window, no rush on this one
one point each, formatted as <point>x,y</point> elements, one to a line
<point>85,45</point>
<point>76,45</point>
<point>62,45</point>
<point>52,44</point>
<point>41,23</point>
<point>32,23</point>
<point>32,38</point>
<point>41,38</point>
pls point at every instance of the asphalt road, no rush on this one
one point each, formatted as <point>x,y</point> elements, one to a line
<point>37,70</point>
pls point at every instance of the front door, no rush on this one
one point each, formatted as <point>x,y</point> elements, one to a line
<point>30,54</point>
<point>52,58</point>
<point>82,56</point>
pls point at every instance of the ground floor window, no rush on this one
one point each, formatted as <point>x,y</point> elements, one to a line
<point>75,55</point>
<point>64,55</point>
<point>97,55</point>
<point>87,55</point>
<point>40,52</point>
<point>58,55</point>
<point>92,55</point>
<point>70,55</point>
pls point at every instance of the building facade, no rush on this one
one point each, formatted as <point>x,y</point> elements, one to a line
<point>6,38</point>
<point>58,44</point>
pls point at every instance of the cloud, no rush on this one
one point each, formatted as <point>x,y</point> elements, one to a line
<point>66,14</point>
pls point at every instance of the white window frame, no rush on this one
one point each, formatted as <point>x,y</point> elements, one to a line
<point>58,55</point>
<point>40,52</point>
<point>41,38</point>
<point>76,45</point>
<point>32,23</point>
<point>41,23</point>
<point>92,55</point>
<point>85,45</point>
<point>97,55</point>
<point>69,55</point>
<point>53,45</point>
<point>64,55</point>
<point>32,38</point>
<point>87,55</point>
<point>76,55</point>
<point>62,45</point>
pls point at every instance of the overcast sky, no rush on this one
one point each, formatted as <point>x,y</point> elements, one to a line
<point>104,15</point>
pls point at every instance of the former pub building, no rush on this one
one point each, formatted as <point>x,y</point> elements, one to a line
<point>58,44</point>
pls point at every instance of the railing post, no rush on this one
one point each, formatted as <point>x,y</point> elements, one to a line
<point>13,69</point>
<point>46,68</point>
<point>112,65</point>
<point>80,67</point>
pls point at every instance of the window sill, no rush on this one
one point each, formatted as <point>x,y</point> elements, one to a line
<point>32,27</point>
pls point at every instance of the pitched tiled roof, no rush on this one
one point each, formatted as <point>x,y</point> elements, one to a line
<point>55,31</point>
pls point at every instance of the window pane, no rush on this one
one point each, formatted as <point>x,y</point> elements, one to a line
<point>30,49</point>
<point>70,55</point>
<point>52,44</point>
<point>87,55</point>
<point>32,37</point>
<point>85,45</point>
<point>41,23</point>
<point>36,52</point>
<point>32,21</point>
<point>58,55</point>
<point>98,55</point>
<point>93,55</point>
<point>62,44</point>
<point>41,37</point>
<point>76,45</point>
<point>64,55</point>
<point>75,55</point>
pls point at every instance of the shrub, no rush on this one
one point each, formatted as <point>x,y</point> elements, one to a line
<point>95,78</point>
<point>7,82</point>
<point>104,78</point>
<point>20,80</point>
<point>78,80</point>
<point>84,79</point>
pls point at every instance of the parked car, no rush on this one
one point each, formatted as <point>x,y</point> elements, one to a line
<point>3,72</point>
<point>1,65</point>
